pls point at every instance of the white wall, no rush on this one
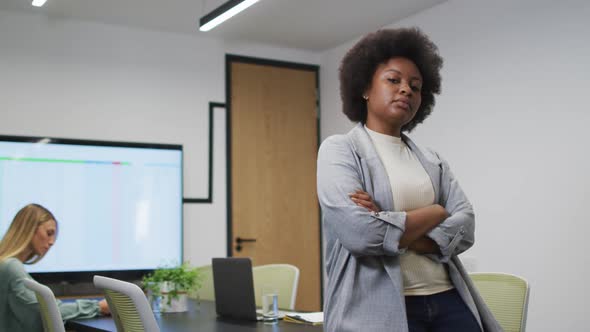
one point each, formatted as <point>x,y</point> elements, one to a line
<point>71,79</point>
<point>512,123</point>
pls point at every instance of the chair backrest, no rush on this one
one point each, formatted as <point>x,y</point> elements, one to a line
<point>206,291</point>
<point>50,314</point>
<point>128,304</point>
<point>507,296</point>
<point>284,277</point>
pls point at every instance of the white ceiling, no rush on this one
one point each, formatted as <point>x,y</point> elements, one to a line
<point>313,25</point>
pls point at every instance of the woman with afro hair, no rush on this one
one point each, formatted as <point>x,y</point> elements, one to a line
<point>394,216</point>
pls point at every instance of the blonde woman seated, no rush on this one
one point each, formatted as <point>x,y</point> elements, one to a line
<point>32,233</point>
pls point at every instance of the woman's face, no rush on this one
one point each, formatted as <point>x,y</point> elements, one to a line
<point>44,237</point>
<point>394,96</point>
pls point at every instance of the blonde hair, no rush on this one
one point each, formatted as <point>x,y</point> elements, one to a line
<point>21,231</point>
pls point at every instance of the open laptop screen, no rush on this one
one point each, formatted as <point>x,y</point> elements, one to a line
<point>234,288</point>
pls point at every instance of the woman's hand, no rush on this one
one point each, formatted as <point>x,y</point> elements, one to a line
<point>104,308</point>
<point>422,244</point>
<point>363,199</point>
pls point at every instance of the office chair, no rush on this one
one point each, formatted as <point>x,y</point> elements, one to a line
<point>206,291</point>
<point>129,306</point>
<point>47,306</point>
<point>284,277</point>
<point>507,296</point>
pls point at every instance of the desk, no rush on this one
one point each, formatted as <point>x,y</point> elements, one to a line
<point>203,319</point>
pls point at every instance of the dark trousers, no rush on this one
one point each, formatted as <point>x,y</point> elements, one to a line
<point>442,312</point>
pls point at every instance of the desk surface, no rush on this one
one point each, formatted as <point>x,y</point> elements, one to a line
<point>203,319</point>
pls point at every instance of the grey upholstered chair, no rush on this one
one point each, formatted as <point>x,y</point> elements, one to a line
<point>47,305</point>
<point>207,291</point>
<point>129,305</point>
<point>507,296</point>
<point>284,277</point>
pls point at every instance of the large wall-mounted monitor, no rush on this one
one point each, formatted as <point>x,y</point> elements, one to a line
<point>118,205</point>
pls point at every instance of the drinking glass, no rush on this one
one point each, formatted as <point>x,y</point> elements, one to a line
<point>270,305</point>
<point>155,302</point>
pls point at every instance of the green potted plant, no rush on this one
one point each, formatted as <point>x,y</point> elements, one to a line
<point>168,287</point>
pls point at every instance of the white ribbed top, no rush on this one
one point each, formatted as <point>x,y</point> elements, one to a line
<point>412,189</point>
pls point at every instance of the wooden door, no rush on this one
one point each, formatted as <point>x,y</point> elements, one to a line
<point>273,125</point>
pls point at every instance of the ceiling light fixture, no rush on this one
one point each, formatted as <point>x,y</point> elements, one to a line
<point>223,13</point>
<point>44,140</point>
<point>38,3</point>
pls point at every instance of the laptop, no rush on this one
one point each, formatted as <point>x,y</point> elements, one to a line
<point>234,289</point>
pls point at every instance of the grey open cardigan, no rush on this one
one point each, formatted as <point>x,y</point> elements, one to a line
<point>364,286</point>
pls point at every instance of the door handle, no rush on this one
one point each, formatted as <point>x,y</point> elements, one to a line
<point>239,242</point>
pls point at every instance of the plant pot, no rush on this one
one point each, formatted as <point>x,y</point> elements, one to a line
<point>178,303</point>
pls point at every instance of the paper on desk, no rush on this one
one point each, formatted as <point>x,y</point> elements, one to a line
<point>314,318</point>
